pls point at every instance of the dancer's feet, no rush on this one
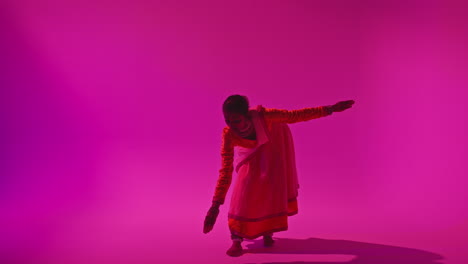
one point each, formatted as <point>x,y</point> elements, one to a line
<point>268,241</point>
<point>235,250</point>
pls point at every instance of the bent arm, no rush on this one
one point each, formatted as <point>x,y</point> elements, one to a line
<point>294,116</point>
<point>225,173</point>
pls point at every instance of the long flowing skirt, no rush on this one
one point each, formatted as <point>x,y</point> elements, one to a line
<point>266,189</point>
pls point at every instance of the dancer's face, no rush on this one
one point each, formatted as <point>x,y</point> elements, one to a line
<point>235,121</point>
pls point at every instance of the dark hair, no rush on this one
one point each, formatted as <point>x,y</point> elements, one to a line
<point>236,104</point>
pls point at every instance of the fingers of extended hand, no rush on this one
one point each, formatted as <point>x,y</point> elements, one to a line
<point>210,219</point>
<point>207,228</point>
<point>209,223</point>
<point>343,105</point>
<point>347,102</point>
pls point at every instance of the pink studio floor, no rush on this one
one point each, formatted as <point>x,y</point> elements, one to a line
<point>319,235</point>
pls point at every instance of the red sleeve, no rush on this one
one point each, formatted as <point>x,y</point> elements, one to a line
<point>225,173</point>
<point>294,116</point>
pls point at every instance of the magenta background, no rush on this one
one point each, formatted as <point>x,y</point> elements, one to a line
<point>111,123</point>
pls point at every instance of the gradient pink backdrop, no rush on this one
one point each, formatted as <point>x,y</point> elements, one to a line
<point>111,123</point>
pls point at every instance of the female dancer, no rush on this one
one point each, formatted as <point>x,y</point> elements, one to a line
<point>265,191</point>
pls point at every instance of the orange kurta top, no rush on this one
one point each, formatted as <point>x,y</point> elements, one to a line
<point>230,139</point>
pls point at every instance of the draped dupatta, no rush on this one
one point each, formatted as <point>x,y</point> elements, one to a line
<point>266,188</point>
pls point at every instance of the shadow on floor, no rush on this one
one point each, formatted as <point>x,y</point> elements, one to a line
<point>366,253</point>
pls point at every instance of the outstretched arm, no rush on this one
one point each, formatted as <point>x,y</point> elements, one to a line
<point>225,173</point>
<point>305,114</point>
<point>224,181</point>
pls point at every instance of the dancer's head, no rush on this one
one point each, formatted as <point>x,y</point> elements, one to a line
<point>235,110</point>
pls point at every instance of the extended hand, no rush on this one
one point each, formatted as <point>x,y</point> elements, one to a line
<point>210,219</point>
<point>343,105</point>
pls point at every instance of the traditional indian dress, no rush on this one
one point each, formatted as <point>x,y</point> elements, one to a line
<point>266,189</point>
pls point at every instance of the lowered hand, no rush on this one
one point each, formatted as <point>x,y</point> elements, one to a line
<point>210,219</point>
